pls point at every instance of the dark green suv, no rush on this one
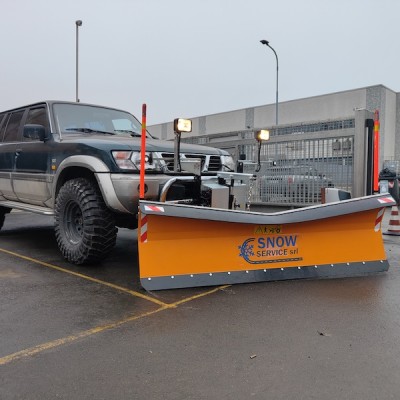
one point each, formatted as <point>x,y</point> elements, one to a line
<point>81,163</point>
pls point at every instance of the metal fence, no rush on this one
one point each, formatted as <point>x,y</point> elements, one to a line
<point>294,172</point>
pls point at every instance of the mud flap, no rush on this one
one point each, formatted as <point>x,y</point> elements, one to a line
<point>188,246</point>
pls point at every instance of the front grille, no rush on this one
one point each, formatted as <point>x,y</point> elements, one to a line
<point>202,158</point>
<point>213,162</point>
<point>169,160</point>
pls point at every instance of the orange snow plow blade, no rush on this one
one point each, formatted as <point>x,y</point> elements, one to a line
<point>187,246</point>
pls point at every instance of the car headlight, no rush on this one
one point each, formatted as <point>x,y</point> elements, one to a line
<point>228,164</point>
<point>123,159</point>
<point>130,160</point>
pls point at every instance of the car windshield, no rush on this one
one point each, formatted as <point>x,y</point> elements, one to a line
<point>92,119</point>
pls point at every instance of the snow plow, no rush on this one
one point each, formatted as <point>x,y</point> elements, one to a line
<point>212,237</point>
<point>187,246</point>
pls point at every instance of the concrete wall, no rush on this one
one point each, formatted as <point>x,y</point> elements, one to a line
<point>388,135</point>
<point>332,106</point>
<point>318,108</point>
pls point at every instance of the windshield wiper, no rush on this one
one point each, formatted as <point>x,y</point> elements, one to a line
<point>132,133</point>
<point>89,130</point>
<point>228,168</point>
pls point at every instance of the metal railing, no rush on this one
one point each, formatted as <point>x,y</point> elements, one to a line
<point>294,172</point>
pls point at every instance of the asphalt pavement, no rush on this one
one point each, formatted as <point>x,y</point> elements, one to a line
<point>69,332</point>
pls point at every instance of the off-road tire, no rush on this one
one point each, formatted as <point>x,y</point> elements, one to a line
<point>84,226</point>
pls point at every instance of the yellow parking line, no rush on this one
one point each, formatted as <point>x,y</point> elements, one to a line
<point>72,338</point>
<point>59,342</point>
<point>197,296</point>
<point>89,278</point>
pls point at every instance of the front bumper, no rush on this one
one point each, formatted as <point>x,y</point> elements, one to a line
<point>121,191</point>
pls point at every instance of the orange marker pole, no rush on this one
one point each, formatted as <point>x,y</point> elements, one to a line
<point>376,152</point>
<point>143,152</point>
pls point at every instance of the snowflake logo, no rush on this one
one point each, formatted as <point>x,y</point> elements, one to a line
<point>246,249</point>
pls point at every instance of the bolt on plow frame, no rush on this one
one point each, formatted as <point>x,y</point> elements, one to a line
<point>187,246</point>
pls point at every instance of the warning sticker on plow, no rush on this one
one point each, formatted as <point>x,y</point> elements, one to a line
<point>267,229</point>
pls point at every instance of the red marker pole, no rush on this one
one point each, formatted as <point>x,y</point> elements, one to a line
<point>143,152</point>
<point>376,152</point>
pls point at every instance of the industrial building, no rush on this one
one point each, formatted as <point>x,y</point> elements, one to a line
<point>326,134</point>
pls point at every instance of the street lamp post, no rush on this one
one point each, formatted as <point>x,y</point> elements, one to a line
<point>78,23</point>
<point>277,75</point>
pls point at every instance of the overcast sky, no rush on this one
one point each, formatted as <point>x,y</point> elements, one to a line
<point>187,58</point>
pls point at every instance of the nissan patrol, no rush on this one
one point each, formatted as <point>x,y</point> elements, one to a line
<point>81,163</point>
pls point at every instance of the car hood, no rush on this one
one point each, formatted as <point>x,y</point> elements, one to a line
<point>134,143</point>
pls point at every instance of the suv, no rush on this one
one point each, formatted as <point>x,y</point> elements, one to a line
<point>81,163</point>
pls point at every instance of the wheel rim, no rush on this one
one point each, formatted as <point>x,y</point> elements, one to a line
<point>73,223</point>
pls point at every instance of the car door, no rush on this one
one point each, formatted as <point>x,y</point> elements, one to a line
<point>10,134</point>
<point>32,173</point>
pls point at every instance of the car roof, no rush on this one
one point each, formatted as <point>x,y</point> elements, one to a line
<point>51,102</point>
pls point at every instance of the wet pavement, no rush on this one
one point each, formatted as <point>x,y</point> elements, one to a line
<point>72,332</point>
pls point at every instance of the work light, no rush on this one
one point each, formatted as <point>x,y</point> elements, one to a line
<point>262,135</point>
<point>182,125</point>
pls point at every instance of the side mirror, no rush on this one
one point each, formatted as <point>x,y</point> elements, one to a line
<point>35,132</point>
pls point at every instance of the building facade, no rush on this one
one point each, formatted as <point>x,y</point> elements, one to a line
<point>327,133</point>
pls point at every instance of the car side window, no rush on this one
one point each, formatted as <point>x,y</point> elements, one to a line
<point>5,118</point>
<point>2,115</point>
<point>37,116</point>
<point>12,128</point>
